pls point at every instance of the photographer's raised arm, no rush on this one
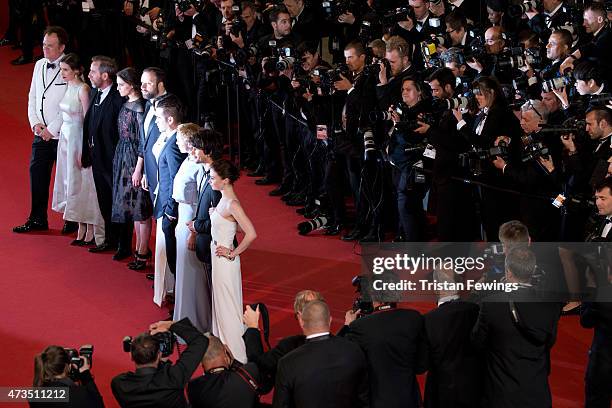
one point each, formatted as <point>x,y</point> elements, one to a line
<point>191,358</point>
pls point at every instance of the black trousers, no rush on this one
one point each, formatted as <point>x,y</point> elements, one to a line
<point>41,164</point>
<point>169,227</point>
<point>337,171</point>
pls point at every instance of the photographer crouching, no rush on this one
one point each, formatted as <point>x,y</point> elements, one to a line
<point>156,381</point>
<point>60,367</point>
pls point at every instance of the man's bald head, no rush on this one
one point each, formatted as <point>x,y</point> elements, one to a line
<point>494,40</point>
<point>315,317</point>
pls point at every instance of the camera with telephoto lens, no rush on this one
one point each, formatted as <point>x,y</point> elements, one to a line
<point>307,227</point>
<point>558,83</point>
<point>398,15</point>
<point>474,159</point>
<point>459,102</point>
<point>85,351</point>
<point>362,302</point>
<point>238,24</point>
<point>518,58</point>
<point>374,67</point>
<point>533,148</point>
<point>369,143</point>
<point>367,31</point>
<point>517,10</point>
<point>202,45</point>
<point>329,76</point>
<point>476,50</point>
<point>165,340</point>
<point>572,125</point>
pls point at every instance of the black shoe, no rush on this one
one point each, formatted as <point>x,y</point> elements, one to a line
<point>88,243</point>
<point>150,276</point>
<point>122,254</point>
<point>373,235</point>
<point>77,242</point>
<point>354,235</point>
<point>399,238</point>
<point>69,227</point>
<point>259,172</point>
<point>137,265</point>
<point>21,61</point>
<point>102,248</point>
<point>266,181</point>
<point>5,41</point>
<point>333,229</point>
<point>31,226</point>
<point>296,200</point>
<point>279,191</point>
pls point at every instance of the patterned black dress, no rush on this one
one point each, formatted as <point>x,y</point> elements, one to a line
<point>129,203</point>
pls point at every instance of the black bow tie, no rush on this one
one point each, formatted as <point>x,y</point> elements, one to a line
<point>50,65</point>
<point>206,173</point>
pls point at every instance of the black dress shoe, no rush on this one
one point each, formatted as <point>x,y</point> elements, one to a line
<point>5,41</point>
<point>259,172</point>
<point>354,235</point>
<point>31,226</point>
<point>266,181</point>
<point>333,229</point>
<point>279,191</point>
<point>122,254</point>
<point>21,61</point>
<point>69,227</point>
<point>90,242</point>
<point>102,248</point>
<point>373,235</point>
<point>296,200</point>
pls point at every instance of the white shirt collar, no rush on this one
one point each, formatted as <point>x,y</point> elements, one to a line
<point>600,90</point>
<point>552,13</point>
<point>456,3</point>
<point>464,39</point>
<point>312,336</point>
<point>597,32</point>
<point>448,298</point>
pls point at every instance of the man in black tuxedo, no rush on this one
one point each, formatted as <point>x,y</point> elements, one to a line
<point>100,137</point>
<point>516,333</point>
<point>168,112</point>
<point>327,371</point>
<point>389,89</point>
<point>393,341</point>
<point>268,361</point>
<point>225,383</point>
<point>156,381</point>
<point>303,21</point>
<point>152,87</point>
<point>455,369</point>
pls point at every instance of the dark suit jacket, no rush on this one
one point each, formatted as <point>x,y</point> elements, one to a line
<point>395,348</point>
<point>163,386</point>
<point>268,361</point>
<point>207,199</point>
<point>84,396</point>
<point>598,50</point>
<point>455,372</point>
<point>329,372</point>
<point>148,137</point>
<point>226,389</point>
<point>307,27</point>
<point>100,129</point>
<point>517,360</point>
<point>391,93</point>
<point>170,160</point>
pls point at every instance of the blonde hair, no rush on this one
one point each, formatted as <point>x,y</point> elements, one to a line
<point>188,130</point>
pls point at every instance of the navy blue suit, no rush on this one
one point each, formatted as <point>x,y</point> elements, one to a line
<point>170,159</point>
<point>148,137</point>
<point>207,199</point>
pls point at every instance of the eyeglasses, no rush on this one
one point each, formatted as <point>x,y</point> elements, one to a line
<point>530,104</point>
<point>450,31</point>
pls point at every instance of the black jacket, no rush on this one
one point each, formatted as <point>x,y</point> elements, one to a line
<point>84,396</point>
<point>455,370</point>
<point>207,199</point>
<point>326,372</point>
<point>517,356</point>
<point>170,160</point>
<point>163,386</point>
<point>391,93</point>
<point>228,388</point>
<point>394,344</point>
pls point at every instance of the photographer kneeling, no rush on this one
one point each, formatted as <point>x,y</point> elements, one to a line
<point>156,381</point>
<point>54,368</point>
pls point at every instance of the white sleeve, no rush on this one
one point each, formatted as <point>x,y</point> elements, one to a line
<point>32,109</point>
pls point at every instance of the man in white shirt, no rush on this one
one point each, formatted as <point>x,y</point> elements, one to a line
<point>46,91</point>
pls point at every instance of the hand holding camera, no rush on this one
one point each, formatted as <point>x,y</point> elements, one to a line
<point>160,327</point>
<point>343,84</point>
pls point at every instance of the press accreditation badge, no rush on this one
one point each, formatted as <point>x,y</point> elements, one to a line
<point>85,6</point>
<point>429,152</point>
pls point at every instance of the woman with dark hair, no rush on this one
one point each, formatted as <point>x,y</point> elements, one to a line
<point>52,368</point>
<point>493,123</point>
<point>74,191</point>
<point>132,206</point>
<point>409,193</point>
<point>226,274</point>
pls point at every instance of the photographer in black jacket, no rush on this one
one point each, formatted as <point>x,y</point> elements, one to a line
<point>156,382</point>
<point>52,368</point>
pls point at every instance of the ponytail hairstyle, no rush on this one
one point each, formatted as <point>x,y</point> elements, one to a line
<point>52,362</point>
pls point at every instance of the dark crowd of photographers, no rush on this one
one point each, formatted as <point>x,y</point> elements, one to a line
<point>475,112</point>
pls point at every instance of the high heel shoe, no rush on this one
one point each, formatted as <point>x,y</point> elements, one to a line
<point>77,242</point>
<point>140,261</point>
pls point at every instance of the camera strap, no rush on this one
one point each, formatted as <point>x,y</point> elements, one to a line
<point>521,327</point>
<point>248,378</point>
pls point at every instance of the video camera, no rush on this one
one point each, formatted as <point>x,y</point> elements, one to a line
<point>166,341</point>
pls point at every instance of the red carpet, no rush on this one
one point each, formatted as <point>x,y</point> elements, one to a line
<point>53,293</point>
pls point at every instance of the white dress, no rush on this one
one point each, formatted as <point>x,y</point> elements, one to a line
<point>192,287</point>
<point>226,288</point>
<point>74,191</point>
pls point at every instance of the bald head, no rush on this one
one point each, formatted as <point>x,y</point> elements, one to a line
<point>494,40</point>
<point>315,317</point>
